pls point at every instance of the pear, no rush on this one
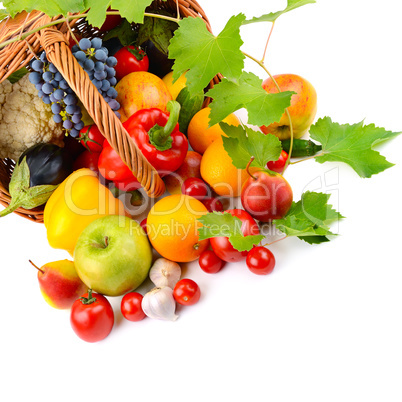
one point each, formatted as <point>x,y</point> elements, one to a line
<point>59,283</point>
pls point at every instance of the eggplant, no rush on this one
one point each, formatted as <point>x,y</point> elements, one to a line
<point>159,63</point>
<point>47,163</point>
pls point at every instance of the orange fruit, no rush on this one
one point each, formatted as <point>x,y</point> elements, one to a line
<point>200,136</point>
<point>219,172</point>
<point>172,227</point>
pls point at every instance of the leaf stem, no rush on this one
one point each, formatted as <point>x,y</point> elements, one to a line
<point>306,159</point>
<point>273,242</point>
<point>76,17</point>
<point>266,45</point>
<point>262,65</point>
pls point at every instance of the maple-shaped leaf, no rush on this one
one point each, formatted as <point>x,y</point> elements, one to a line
<point>351,144</point>
<point>49,7</point>
<point>223,224</point>
<point>243,143</point>
<point>310,218</point>
<point>263,108</point>
<point>132,10</point>
<point>272,17</point>
<point>196,49</point>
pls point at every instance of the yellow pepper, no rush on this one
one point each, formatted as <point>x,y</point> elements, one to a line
<point>79,200</point>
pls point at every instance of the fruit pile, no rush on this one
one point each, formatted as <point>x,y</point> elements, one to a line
<point>224,178</point>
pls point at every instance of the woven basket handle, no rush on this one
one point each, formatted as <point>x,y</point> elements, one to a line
<point>58,52</point>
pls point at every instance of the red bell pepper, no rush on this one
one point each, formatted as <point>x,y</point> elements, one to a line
<point>157,135</point>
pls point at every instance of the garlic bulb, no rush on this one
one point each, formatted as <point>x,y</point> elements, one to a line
<point>159,303</point>
<point>165,273</point>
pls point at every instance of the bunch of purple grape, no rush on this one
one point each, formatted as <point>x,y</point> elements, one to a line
<point>55,91</point>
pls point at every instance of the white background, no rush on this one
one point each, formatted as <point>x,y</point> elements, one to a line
<point>324,326</point>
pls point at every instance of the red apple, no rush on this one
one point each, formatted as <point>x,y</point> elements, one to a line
<point>266,196</point>
<point>221,245</point>
<point>302,109</point>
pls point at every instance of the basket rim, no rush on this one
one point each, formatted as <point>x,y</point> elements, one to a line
<point>34,42</point>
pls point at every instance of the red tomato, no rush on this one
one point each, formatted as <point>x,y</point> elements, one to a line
<point>91,138</point>
<point>111,166</point>
<point>212,204</point>
<point>186,292</point>
<point>92,317</point>
<point>277,166</point>
<point>130,59</point>
<point>260,261</point>
<point>194,187</point>
<point>131,306</point>
<point>129,184</point>
<point>210,262</point>
<point>88,160</point>
<point>221,245</point>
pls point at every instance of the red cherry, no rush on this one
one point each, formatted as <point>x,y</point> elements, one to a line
<point>260,261</point>
<point>212,204</point>
<point>194,187</point>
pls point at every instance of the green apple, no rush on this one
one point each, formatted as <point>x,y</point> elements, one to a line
<point>113,255</point>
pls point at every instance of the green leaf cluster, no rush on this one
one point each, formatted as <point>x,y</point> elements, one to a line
<point>310,218</point>
<point>218,224</point>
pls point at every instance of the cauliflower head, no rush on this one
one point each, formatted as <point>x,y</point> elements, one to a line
<point>25,120</point>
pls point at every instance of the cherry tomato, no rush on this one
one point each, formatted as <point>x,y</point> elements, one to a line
<point>186,292</point>
<point>131,306</point>
<point>221,245</point>
<point>260,261</point>
<point>277,166</point>
<point>210,262</point>
<point>92,317</point>
<point>194,187</point>
<point>88,160</point>
<point>91,138</point>
<point>130,59</point>
<point>212,204</point>
<point>143,224</point>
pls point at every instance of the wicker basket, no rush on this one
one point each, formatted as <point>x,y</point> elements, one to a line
<point>54,41</point>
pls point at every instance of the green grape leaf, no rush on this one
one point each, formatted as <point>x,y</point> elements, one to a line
<point>263,108</point>
<point>132,10</point>
<point>272,17</point>
<point>158,31</point>
<point>351,144</point>
<point>49,7</point>
<point>218,224</point>
<point>125,32</point>
<point>243,143</point>
<point>309,219</point>
<point>3,14</point>
<point>196,49</point>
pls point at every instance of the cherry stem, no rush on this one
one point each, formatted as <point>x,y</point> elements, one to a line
<point>39,269</point>
<point>248,168</point>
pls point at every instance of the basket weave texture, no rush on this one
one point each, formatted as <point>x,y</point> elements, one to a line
<point>54,40</point>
